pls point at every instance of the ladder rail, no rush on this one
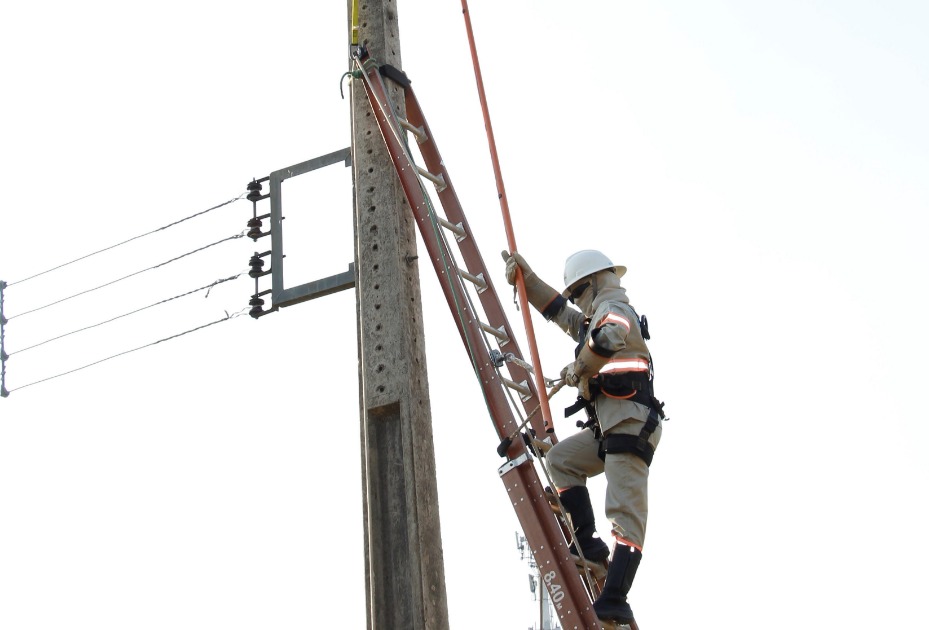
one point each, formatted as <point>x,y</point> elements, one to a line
<point>519,475</point>
<point>490,300</point>
<point>392,126</point>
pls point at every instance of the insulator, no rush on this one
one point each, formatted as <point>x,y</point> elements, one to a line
<point>256,264</point>
<point>254,231</point>
<point>254,191</point>
<point>256,303</point>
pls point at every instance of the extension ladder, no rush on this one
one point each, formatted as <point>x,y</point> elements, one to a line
<point>537,510</point>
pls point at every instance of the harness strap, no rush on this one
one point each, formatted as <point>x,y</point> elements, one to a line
<point>624,443</point>
<point>635,444</point>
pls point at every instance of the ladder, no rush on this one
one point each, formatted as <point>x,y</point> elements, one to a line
<point>538,511</point>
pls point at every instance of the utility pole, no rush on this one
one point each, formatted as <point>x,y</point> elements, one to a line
<point>404,572</point>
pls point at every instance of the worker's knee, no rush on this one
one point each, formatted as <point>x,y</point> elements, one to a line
<point>574,459</point>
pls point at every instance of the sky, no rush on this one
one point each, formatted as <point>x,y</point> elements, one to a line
<point>759,168</point>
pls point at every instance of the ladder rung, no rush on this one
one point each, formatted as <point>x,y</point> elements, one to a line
<point>499,333</point>
<point>438,180</point>
<point>552,499</point>
<point>523,388</point>
<point>542,445</point>
<point>597,570</point>
<point>457,228</point>
<point>419,132</point>
<point>478,280</point>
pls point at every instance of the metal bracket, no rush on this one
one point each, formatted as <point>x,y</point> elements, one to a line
<point>280,296</point>
<point>513,463</point>
<point>3,355</point>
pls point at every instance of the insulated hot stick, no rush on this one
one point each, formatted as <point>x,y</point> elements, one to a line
<point>507,223</point>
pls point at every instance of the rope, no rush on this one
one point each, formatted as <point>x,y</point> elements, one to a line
<point>199,249</point>
<point>139,310</point>
<point>148,345</point>
<point>106,249</point>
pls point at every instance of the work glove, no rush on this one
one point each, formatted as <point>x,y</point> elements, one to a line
<point>573,377</point>
<point>539,294</point>
<point>513,261</point>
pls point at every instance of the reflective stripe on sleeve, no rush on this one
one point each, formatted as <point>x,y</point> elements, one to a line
<point>625,365</point>
<point>614,318</point>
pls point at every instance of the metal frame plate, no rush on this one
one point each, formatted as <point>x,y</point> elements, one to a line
<point>280,296</point>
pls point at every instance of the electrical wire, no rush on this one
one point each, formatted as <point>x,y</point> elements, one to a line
<point>138,310</point>
<point>105,249</point>
<point>176,258</point>
<point>148,345</point>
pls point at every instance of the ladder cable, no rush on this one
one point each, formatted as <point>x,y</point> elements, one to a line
<point>176,258</point>
<point>105,249</point>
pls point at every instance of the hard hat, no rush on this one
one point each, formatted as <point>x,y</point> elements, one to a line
<point>585,262</point>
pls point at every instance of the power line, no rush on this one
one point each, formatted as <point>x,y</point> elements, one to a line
<point>176,258</point>
<point>148,345</point>
<point>139,310</point>
<point>105,249</point>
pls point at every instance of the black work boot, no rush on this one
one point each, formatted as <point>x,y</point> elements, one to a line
<point>576,500</point>
<point>612,604</point>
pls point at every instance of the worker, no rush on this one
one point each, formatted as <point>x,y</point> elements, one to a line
<point>613,374</point>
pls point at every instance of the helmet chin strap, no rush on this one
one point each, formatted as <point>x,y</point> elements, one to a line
<point>594,289</point>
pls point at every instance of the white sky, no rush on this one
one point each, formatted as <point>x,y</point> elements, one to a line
<point>760,168</point>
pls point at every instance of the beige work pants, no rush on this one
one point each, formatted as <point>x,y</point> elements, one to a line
<point>573,460</point>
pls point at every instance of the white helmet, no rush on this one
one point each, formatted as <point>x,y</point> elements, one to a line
<point>584,263</point>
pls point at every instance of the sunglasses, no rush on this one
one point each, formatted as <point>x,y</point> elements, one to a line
<point>578,291</point>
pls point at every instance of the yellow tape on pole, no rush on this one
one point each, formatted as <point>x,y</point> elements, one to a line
<point>354,22</point>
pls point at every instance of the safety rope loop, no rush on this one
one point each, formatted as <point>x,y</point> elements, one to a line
<point>126,277</point>
<point>134,238</point>
<point>353,74</point>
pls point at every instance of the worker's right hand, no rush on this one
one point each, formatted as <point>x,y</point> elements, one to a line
<point>513,261</point>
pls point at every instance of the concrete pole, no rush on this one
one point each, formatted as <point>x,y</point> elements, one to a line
<point>404,573</point>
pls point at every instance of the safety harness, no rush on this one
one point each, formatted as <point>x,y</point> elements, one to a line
<point>632,386</point>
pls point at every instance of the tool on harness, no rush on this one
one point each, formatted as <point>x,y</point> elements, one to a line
<point>643,326</point>
<point>592,423</point>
